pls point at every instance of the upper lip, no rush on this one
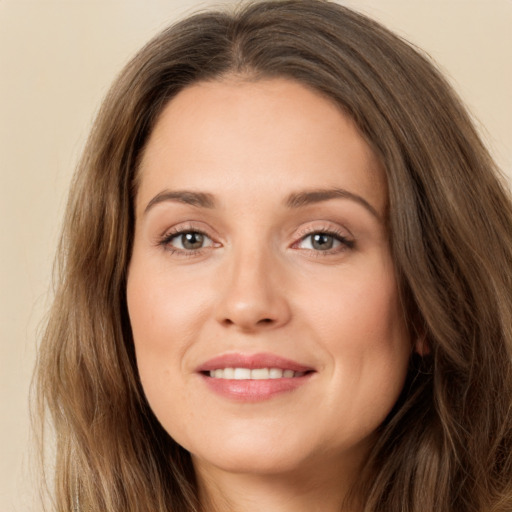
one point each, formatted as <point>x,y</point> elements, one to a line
<point>252,361</point>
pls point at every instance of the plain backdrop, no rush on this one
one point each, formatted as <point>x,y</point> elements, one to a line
<point>57,59</point>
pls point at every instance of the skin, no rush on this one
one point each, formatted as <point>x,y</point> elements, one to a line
<point>259,284</point>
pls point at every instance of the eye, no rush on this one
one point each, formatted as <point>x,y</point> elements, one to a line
<point>187,241</point>
<point>324,241</point>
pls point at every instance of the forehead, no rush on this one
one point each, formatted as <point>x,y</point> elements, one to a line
<point>234,136</point>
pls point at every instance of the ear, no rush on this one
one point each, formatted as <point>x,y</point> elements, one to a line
<point>418,332</point>
<point>421,346</point>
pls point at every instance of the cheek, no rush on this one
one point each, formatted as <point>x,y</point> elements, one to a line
<point>361,327</point>
<point>164,317</point>
<point>357,309</point>
<point>163,307</point>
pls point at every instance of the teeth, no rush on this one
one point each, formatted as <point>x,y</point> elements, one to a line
<point>228,373</point>
<point>275,373</point>
<point>255,374</point>
<point>240,373</point>
<point>259,373</point>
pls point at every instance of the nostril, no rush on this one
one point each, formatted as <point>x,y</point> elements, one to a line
<point>264,321</point>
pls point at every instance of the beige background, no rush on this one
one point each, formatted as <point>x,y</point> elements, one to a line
<point>57,59</point>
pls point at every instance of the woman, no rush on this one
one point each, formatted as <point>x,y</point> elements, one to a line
<point>285,280</point>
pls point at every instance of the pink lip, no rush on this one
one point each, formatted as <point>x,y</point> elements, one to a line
<point>253,390</point>
<point>252,361</point>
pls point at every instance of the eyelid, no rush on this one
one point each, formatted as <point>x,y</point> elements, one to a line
<point>324,227</point>
<point>169,234</point>
<point>342,235</point>
<point>186,226</point>
<point>173,233</point>
<point>177,236</point>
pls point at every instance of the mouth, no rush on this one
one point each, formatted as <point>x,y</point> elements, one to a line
<point>253,377</point>
<point>253,374</point>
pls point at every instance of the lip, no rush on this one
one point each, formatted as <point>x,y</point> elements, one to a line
<point>252,361</point>
<point>253,390</point>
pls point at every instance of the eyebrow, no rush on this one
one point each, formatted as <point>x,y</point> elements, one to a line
<point>307,197</point>
<point>199,199</point>
<point>294,200</point>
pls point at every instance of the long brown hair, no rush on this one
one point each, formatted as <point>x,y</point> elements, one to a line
<point>447,444</point>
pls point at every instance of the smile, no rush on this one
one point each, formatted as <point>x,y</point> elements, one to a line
<point>253,377</point>
<point>254,374</point>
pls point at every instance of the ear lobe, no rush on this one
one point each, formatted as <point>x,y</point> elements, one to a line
<point>421,346</point>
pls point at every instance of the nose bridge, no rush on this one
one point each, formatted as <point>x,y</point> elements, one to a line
<point>253,296</point>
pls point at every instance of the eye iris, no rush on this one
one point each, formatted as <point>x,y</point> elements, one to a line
<point>192,240</point>
<point>322,242</point>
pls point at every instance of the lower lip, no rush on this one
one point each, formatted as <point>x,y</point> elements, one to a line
<point>254,390</point>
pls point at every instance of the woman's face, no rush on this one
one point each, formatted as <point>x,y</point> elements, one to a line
<point>261,289</point>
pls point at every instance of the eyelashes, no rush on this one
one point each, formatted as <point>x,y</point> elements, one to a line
<point>187,241</point>
<point>190,241</point>
<point>324,241</point>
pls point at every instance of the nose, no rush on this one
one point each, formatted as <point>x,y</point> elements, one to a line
<point>253,294</point>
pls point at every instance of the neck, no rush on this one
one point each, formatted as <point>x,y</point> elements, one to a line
<point>317,489</point>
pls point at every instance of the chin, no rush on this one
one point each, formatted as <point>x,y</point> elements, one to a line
<point>262,463</point>
<point>255,454</point>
